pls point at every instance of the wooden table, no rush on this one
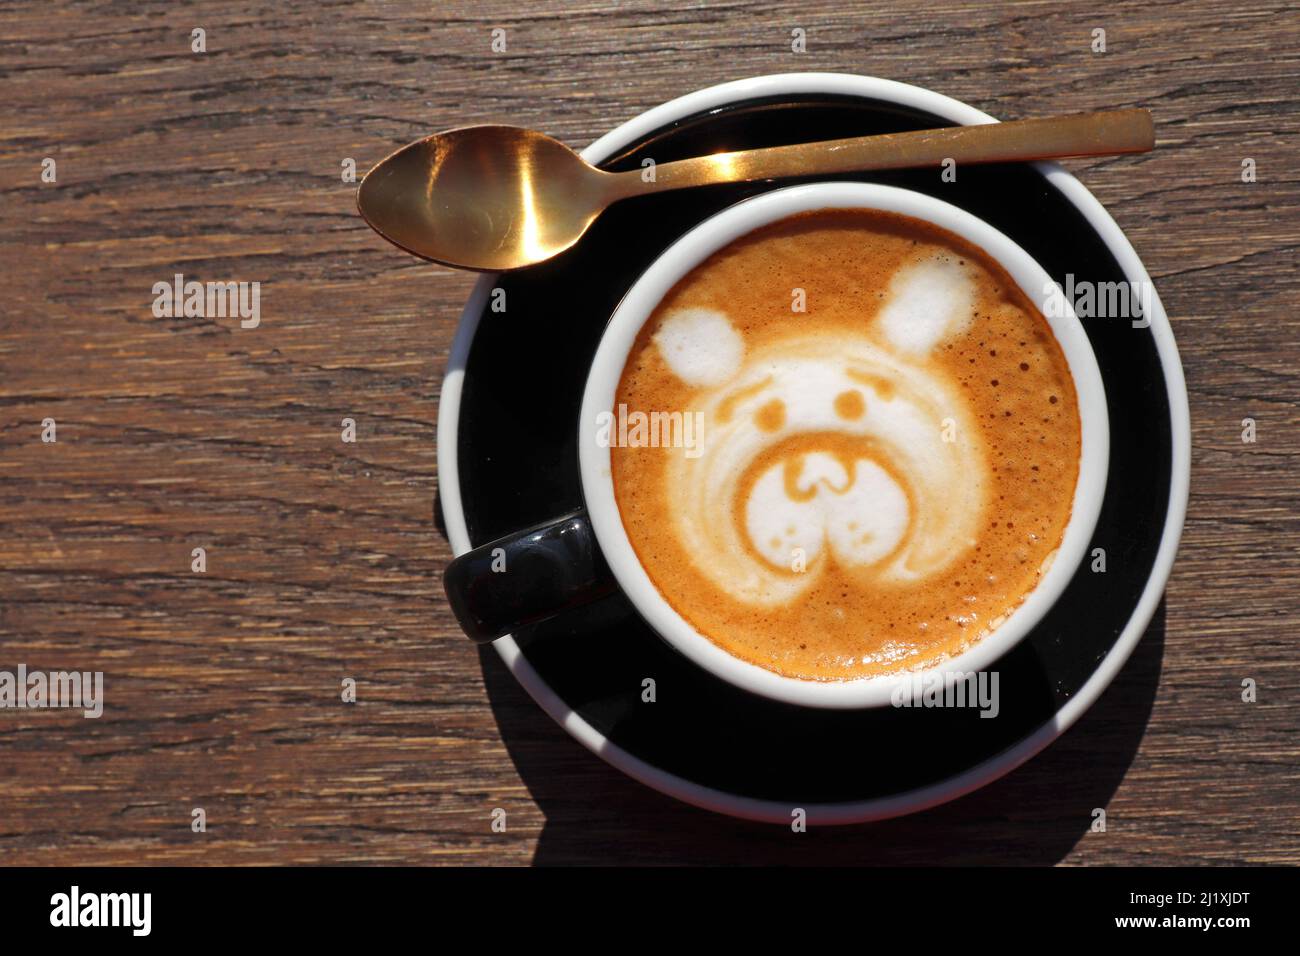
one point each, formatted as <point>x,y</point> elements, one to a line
<point>323,558</point>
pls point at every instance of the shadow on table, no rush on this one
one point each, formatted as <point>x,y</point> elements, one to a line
<point>1035,815</point>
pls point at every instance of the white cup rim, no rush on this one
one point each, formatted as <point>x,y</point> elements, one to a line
<point>692,249</point>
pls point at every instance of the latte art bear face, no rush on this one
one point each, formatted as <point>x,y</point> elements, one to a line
<point>827,448</point>
<point>850,470</point>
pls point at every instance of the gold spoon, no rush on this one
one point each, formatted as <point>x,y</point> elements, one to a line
<point>499,197</point>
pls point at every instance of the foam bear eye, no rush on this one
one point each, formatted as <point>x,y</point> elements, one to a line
<point>700,346</point>
<point>849,405</point>
<point>929,301</point>
<point>771,416</point>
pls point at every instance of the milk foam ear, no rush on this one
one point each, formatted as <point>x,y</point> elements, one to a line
<point>700,346</point>
<point>929,301</point>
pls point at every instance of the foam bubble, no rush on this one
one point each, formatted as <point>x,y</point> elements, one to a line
<point>700,346</point>
<point>929,301</point>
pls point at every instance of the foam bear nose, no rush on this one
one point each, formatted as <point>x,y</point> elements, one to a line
<point>810,502</point>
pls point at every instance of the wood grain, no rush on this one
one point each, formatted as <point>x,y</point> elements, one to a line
<point>223,688</point>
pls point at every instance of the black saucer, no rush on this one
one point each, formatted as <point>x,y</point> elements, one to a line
<point>516,464</point>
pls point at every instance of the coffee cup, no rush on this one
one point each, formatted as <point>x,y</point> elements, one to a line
<point>541,572</point>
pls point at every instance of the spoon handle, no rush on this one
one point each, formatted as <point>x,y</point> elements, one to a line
<point>1082,134</point>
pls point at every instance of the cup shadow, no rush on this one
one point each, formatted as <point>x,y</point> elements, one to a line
<point>1033,816</point>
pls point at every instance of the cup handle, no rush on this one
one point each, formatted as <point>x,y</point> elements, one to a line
<point>527,577</point>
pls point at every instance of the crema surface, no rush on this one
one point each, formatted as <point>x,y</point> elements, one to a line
<point>887,452</point>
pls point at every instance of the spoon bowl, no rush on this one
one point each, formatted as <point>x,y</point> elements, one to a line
<point>483,197</point>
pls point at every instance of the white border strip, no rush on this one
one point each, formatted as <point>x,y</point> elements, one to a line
<point>914,800</point>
